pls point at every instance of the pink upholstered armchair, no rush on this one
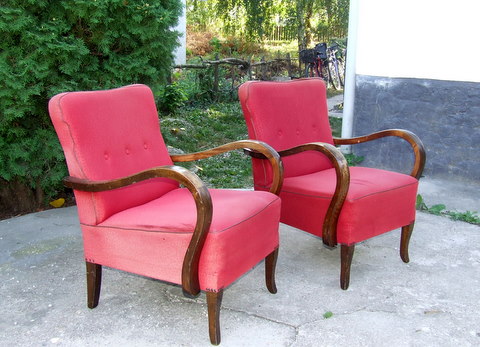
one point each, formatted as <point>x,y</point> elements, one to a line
<point>140,213</point>
<point>321,194</point>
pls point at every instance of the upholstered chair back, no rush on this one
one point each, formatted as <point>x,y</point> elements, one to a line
<point>101,143</point>
<point>303,119</point>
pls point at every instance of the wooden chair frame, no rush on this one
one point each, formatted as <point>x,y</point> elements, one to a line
<point>329,231</point>
<point>190,281</point>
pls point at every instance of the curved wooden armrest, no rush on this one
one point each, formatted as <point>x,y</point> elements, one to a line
<point>260,147</point>
<point>329,232</point>
<point>203,202</point>
<point>411,138</point>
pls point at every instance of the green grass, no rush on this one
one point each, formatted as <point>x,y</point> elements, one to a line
<point>197,128</point>
<point>336,125</point>
<point>328,314</point>
<point>273,47</point>
<point>193,128</point>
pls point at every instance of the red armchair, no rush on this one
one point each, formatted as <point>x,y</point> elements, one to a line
<point>141,214</point>
<point>321,194</point>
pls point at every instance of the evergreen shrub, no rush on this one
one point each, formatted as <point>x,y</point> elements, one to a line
<point>52,46</point>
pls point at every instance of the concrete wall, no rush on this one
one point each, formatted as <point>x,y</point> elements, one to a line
<point>416,68</point>
<point>444,114</point>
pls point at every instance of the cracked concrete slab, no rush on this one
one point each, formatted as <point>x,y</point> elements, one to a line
<point>433,300</point>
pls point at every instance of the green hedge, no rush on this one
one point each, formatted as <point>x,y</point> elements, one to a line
<point>51,46</point>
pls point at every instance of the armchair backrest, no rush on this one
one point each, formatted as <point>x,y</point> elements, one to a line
<point>110,134</point>
<point>285,115</point>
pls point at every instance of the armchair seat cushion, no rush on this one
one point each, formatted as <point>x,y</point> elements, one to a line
<point>377,201</point>
<point>151,239</point>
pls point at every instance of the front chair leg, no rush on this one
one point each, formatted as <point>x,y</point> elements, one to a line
<point>270,264</point>
<point>406,234</point>
<point>94,283</point>
<point>346,262</point>
<point>214,301</point>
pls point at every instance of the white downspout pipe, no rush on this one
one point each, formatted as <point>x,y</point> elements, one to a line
<point>349,91</point>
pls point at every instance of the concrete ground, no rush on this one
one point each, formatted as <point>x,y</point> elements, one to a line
<point>431,301</point>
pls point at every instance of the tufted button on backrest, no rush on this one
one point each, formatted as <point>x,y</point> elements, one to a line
<point>298,112</point>
<point>111,134</point>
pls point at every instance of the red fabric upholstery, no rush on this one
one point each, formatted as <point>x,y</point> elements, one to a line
<point>102,141</point>
<point>287,114</point>
<point>152,239</point>
<point>146,228</point>
<point>377,201</point>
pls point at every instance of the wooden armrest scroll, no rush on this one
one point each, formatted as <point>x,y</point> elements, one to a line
<point>411,138</point>
<point>258,146</point>
<point>329,232</point>
<point>203,202</point>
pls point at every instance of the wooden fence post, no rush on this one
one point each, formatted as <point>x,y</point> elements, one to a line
<point>249,72</point>
<point>232,71</point>
<point>289,65</point>
<point>264,69</point>
<point>215,79</point>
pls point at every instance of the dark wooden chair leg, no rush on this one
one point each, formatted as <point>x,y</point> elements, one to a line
<point>346,262</point>
<point>214,301</point>
<point>94,283</point>
<point>405,241</point>
<point>270,265</point>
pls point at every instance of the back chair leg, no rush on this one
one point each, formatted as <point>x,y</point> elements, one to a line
<point>214,302</point>
<point>346,262</point>
<point>270,265</point>
<point>406,234</point>
<point>94,283</point>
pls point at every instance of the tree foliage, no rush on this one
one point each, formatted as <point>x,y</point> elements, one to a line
<point>51,46</point>
<point>256,19</point>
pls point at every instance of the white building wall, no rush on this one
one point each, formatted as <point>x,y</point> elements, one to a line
<point>431,39</point>
<point>181,51</point>
<point>414,64</point>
